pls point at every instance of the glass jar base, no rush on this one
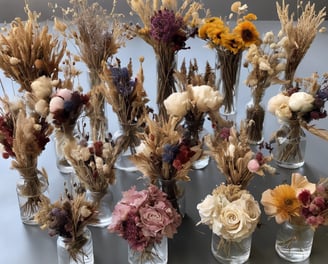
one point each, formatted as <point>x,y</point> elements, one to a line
<point>64,167</point>
<point>201,163</point>
<point>103,222</point>
<point>255,142</point>
<point>293,254</point>
<point>125,164</point>
<point>289,165</point>
<point>231,116</point>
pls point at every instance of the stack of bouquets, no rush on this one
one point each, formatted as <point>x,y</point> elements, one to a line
<point>144,218</point>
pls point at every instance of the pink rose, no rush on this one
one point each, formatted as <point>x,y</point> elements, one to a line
<point>253,165</point>
<point>153,221</point>
<point>56,103</point>
<point>119,215</point>
<point>65,94</point>
<point>134,198</point>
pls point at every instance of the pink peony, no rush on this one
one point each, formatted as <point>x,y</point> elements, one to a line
<point>56,103</point>
<point>134,198</point>
<point>65,94</point>
<point>253,165</point>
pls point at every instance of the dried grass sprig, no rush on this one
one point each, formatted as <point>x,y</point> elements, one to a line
<point>68,218</point>
<point>159,158</point>
<point>300,35</point>
<point>29,51</point>
<point>233,154</point>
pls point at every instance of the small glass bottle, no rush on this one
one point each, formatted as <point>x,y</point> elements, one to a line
<point>85,255</point>
<point>157,253</point>
<point>294,242</point>
<point>227,251</point>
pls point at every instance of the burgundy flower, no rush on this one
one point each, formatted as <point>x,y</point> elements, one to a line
<point>305,197</point>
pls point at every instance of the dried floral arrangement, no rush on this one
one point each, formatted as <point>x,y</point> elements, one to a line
<point>230,212</point>
<point>229,43</point>
<point>267,62</point>
<point>23,139</point>
<point>93,164</point>
<point>234,157</point>
<point>68,217</point>
<point>98,36</point>
<point>166,28</point>
<point>128,100</point>
<point>297,107</point>
<point>144,218</point>
<point>165,157</point>
<point>285,201</point>
<point>28,51</point>
<point>298,36</point>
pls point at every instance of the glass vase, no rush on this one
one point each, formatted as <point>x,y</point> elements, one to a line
<point>294,242</point>
<point>29,192</point>
<point>255,114</point>
<point>104,203</point>
<point>83,256</point>
<point>166,61</point>
<point>227,251</point>
<point>175,191</point>
<point>155,254</point>
<point>227,81</point>
<point>62,163</point>
<point>127,137</point>
<point>289,145</point>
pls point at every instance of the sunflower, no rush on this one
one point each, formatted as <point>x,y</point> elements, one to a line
<point>281,203</point>
<point>211,24</point>
<point>248,32</point>
<point>232,42</point>
<point>215,33</point>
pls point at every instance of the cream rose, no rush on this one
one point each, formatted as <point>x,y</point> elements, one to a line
<point>283,112</point>
<point>301,102</point>
<point>275,102</point>
<point>206,209</point>
<point>177,104</point>
<point>235,224</point>
<point>206,98</point>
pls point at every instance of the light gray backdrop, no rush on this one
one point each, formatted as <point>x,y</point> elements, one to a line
<point>265,9</point>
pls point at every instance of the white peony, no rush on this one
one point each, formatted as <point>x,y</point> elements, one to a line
<point>275,102</point>
<point>42,87</point>
<point>177,104</point>
<point>301,102</point>
<point>283,112</point>
<point>206,98</point>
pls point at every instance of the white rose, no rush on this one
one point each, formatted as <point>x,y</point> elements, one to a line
<point>217,226</point>
<point>301,102</point>
<point>283,112</point>
<point>275,102</point>
<point>177,104</point>
<point>234,222</point>
<point>206,98</point>
<point>252,208</point>
<point>206,209</point>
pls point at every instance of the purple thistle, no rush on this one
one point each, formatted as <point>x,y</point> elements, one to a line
<point>122,81</point>
<point>168,28</point>
<point>170,152</point>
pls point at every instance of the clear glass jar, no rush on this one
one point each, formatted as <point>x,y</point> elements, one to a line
<point>29,191</point>
<point>85,254</point>
<point>104,203</point>
<point>289,145</point>
<point>158,254</point>
<point>255,120</point>
<point>227,81</point>
<point>294,242</point>
<point>127,137</point>
<point>226,251</point>
<point>175,191</point>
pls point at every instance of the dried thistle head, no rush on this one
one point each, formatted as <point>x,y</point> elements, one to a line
<point>28,51</point>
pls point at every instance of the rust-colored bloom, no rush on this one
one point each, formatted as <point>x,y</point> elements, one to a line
<point>233,42</point>
<point>281,203</point>
<point>248,32</point>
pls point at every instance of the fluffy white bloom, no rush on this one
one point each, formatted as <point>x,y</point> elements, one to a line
<point>14,61</point>
<point>177,104</point>
<point>283,112</point>
<point>301,102</point>
<point>41,107</point>
<point>206,98</point>
<point>42,87</point>
<point>268,37</point>
<point>99,163</point>
<point>276,101</point>
<point>265,65</point>
<point>231,150</point>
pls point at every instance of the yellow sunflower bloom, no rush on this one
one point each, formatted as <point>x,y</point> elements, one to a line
<point>248,33</point>
<point>281,203</point>
<point>215,33</point>
<point>232,42</point>
<point>250,17</point>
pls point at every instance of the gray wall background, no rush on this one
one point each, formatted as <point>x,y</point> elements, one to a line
<point>264,9</point>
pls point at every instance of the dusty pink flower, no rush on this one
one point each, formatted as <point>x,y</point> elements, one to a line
<point>253,165</point>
